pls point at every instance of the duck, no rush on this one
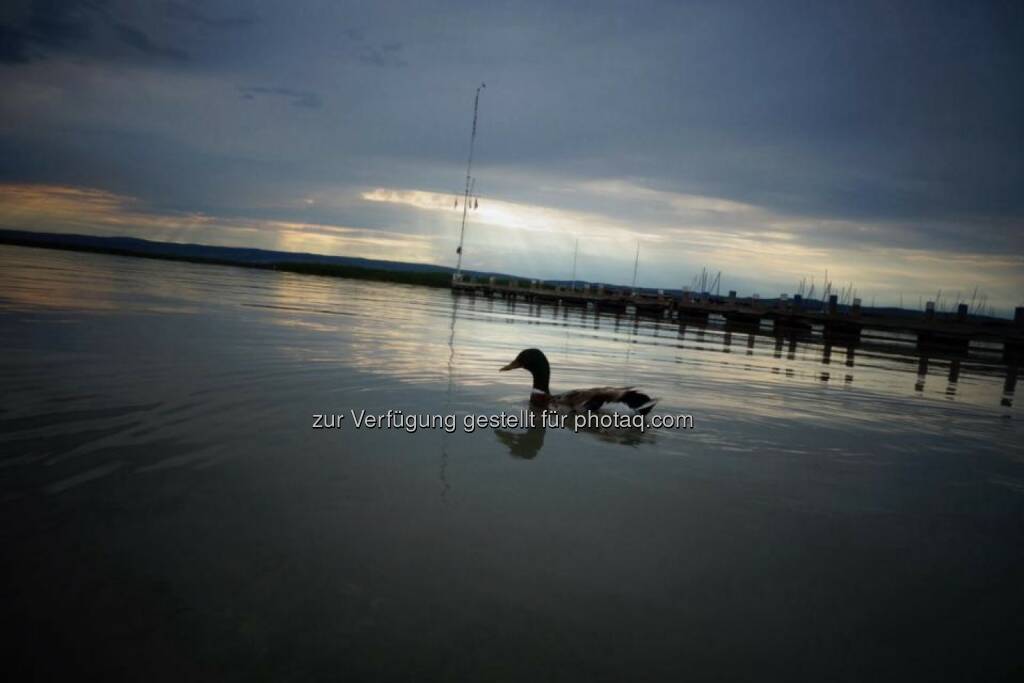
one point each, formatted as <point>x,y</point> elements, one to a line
<point>617,400</point>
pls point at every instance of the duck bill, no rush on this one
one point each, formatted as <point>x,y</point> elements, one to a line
<point>511,366</point>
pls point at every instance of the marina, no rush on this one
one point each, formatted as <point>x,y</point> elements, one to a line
<point>948,333</point>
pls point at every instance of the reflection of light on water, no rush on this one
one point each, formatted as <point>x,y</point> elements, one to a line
<point>406,335</point>
<point>59,284</point>
<point>443,472</point>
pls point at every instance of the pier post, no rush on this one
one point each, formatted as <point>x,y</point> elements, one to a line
<point>961,312</point>
<point>833,304</point>
<point>855,309</point>
<point>929,310</point>
<point>1018,316</point>
<point>954,371</point>
<point>1012,352</point>
<point>1009,385</point>
<point>922,372</point>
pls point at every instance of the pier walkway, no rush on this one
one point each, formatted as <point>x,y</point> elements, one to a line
<point>950,331</point>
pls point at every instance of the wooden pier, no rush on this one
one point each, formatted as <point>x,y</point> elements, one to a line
<point>949,332</point>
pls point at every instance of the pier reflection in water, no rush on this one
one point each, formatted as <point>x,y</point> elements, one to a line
<point>889,365</point>
<point>166,507</point>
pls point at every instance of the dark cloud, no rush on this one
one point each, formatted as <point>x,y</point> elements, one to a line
<point>383,55</point>
<point>77,27</point>
<point>45,25</point>
<point>905,119</point>
<point>136,38</point>
<point>14,46</point>
<point>354,44</point>
<point>62,23</point>
<point>192,12</point>
<point>299,98</point>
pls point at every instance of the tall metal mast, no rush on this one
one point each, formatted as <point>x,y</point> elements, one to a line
<point>636,263</point>
<point>469,168</point>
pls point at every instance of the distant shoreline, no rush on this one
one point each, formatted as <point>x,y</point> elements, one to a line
<point>304,264</point>
<point>356,268</point>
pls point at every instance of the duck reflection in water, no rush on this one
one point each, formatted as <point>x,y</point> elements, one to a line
<point>526,444</point>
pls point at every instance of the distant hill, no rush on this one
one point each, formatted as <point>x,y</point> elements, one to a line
<point>202,252</point>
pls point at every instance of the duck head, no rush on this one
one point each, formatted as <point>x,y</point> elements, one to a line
<point>536,362</point>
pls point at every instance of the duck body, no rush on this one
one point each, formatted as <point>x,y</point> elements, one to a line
<point>617,400</point>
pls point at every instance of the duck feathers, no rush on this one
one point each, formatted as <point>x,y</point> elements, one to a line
<point>620,400</point>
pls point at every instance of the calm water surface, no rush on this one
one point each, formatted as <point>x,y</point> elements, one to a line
<point>168,512</point>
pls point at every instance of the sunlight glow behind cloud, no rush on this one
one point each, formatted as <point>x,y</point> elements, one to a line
<point>97,212</point>
<point>678,235</point>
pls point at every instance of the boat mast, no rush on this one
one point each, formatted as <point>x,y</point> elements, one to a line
<point>465,196</point>
<point>636,264</point>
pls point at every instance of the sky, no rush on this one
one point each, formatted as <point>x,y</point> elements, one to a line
<point>881,143</point>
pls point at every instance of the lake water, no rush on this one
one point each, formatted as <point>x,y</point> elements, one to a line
<point>169,513</point>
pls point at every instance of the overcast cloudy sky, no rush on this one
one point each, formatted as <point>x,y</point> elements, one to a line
<point>880,141</point>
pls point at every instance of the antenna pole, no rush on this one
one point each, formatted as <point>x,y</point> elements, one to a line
<point>636,263</point>
<point>469,168</point>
